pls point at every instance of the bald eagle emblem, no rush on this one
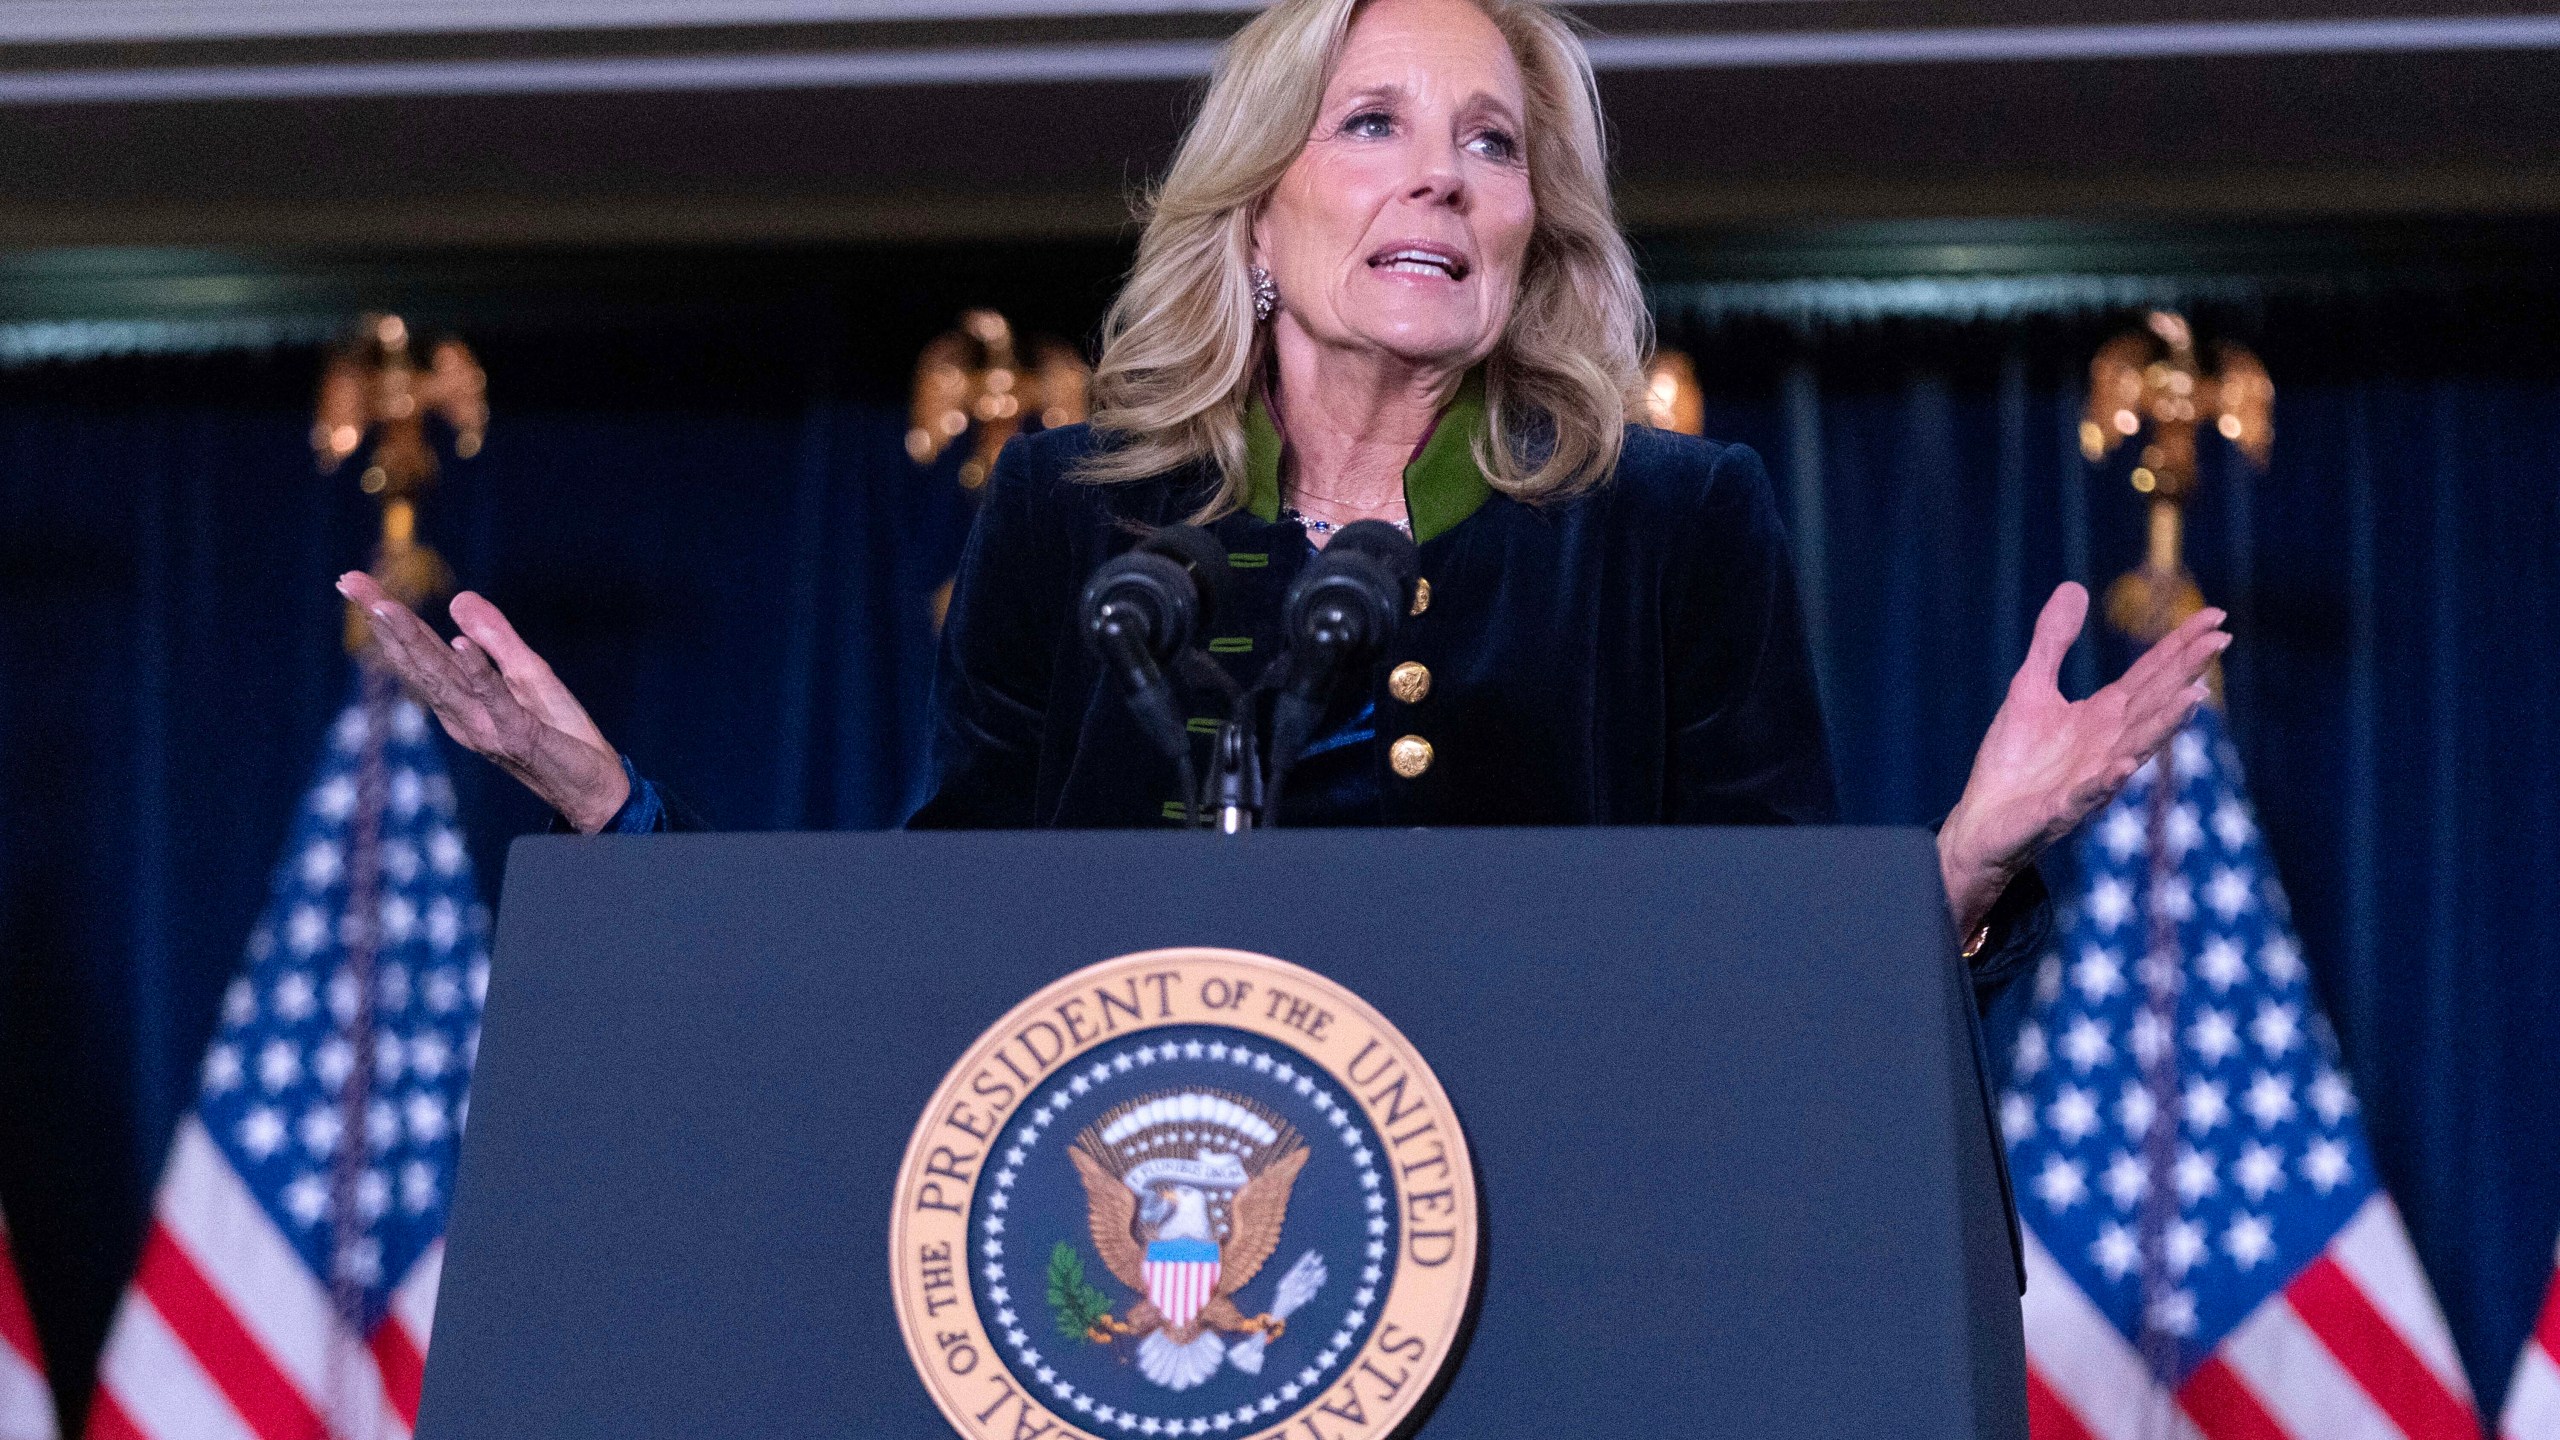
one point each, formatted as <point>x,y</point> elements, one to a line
<point>1185,1195</point>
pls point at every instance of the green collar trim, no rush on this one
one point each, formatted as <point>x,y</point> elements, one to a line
<point>1262,447</point>
<point>1442,485</point>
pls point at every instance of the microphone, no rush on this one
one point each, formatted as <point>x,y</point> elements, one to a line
<point>1347,602</point>
<point>1139,613</point>
<point>1339,616</point>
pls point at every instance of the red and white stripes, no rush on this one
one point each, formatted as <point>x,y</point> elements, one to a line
<point>2533,1399</point>
<point>2354,1348</point>
<point>26,1402</point>
<point>1180,1288</point>
<point>225,1334</point>
<point>2084,1382</point>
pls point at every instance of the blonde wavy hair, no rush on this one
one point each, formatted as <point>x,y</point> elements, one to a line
<point>1180,345</point>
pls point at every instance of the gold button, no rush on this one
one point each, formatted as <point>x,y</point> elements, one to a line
<point>1409,682</point>
<point>1410,756</point>
<point>1421,596</point>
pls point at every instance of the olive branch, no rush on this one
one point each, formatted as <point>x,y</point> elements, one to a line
<point>1078,1306</point>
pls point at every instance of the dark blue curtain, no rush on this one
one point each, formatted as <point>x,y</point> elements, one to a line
<point>725,551</point>
<point>736,576</point>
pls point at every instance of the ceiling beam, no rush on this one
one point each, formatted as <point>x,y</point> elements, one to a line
<point>1182,59</point>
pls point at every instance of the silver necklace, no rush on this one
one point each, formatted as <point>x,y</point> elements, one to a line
<point>1314,526</point>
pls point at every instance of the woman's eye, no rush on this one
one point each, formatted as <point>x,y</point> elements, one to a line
<point>1496,145</point>
<point>1371,124</point>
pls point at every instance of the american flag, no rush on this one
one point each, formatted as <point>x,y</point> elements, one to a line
<point>26,1404</point>
<point>2533,1399</point>
<point>288,1280</point>
<point>2209,1250</point>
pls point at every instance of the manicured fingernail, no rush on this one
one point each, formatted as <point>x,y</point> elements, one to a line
<point>344,588</point>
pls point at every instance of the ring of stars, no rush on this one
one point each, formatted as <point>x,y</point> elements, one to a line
<point>1132,1060</point>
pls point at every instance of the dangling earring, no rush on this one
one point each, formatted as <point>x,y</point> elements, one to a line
<point>1266,296</point>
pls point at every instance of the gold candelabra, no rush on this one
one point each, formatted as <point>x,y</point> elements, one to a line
<point>976,375</point>
<point>1672,399</point>
<point>373,385</point>
<point>2150,385</point>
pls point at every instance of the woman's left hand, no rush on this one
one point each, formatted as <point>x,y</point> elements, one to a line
<point>2047,761</point>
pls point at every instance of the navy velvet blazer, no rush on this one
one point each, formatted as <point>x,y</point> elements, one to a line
<point>1632,655</point>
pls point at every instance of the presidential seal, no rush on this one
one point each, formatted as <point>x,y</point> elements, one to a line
<point>1185,1192</point>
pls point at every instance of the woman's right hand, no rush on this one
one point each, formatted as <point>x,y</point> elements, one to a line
<point>497,698</point>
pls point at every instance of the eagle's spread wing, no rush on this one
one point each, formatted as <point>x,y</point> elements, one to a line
<point>2115,385</point>
<point>1109,1207</point>
<point>1254,1220</point>
<point>2244,393</point>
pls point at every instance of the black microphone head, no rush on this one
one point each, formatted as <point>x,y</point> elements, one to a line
<point>1345,605</point>
<point>1144,596</point>
<point>1198,552</point>
<point>1164,592</point>
<point>1390,545</point>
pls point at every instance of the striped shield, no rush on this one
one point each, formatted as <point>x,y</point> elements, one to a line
<point>1181,1276</point>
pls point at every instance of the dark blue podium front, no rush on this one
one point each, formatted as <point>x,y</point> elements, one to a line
<point>1721,1088</point>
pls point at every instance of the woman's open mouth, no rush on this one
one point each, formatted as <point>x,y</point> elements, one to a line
<point>1411,259</point>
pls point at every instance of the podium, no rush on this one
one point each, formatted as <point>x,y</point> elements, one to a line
<point>1722,1090</point>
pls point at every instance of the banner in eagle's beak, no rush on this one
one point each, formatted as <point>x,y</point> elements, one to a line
<point>1214,1170</point>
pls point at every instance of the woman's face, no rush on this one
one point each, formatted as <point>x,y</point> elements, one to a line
<point>1402,225</point>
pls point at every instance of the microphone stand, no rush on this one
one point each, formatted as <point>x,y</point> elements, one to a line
<point>1343,610</point>
<point>1151,701</point>
<point>1300,704</point>
<point>1236,778</point>
<point>1234,796</point>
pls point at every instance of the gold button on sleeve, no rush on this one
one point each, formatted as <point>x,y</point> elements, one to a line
<point>1410,756</point>
<point>1421,596</point>
<point>1409,682</point>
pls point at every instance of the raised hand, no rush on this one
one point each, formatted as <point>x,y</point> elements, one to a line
<point>2047,762</point>
<point>496,697</point>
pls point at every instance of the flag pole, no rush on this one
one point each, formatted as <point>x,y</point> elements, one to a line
<point>372,384</point>
<point>2238,1267</point>
<point>2149,385</point>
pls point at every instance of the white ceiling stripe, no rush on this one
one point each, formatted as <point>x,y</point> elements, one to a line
<point>26,22</point>
<point>1187,59</point>
<point>2075,42</point>
<point>811,70</point>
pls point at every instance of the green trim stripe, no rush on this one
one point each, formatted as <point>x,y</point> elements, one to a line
<point>1261,461</point>
<point>1231,645</point>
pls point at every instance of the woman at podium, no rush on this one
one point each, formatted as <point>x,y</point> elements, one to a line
<point>1383,280</point>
